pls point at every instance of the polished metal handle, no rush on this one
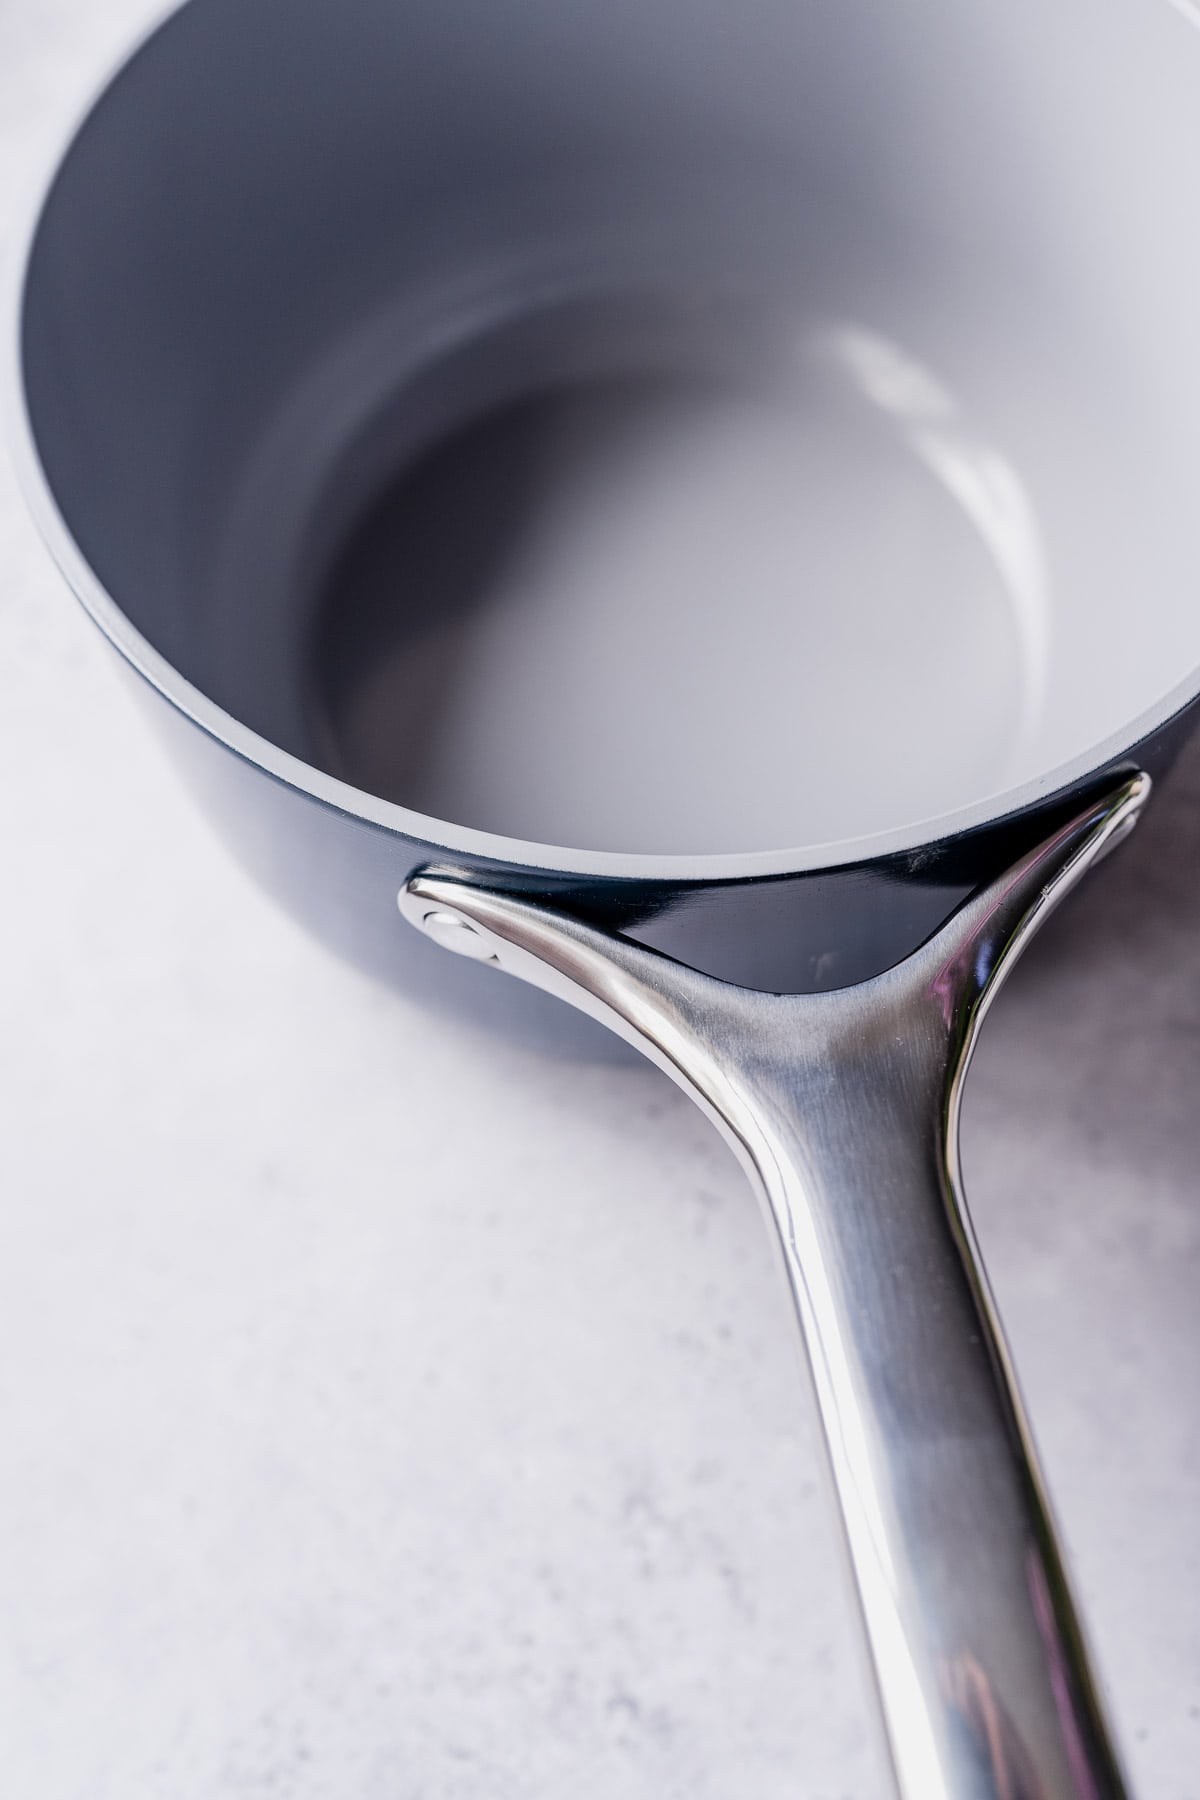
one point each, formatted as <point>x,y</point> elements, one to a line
<point>844,1107</point>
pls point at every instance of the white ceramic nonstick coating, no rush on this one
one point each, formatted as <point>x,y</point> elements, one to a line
<point>921,547</point>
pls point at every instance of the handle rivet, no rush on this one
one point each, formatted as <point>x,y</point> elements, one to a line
<point>453,933</point>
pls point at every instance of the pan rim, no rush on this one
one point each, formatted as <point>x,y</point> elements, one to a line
<point>404,822</point>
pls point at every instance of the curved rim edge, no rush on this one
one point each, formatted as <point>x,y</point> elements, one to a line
<point>390,816</point>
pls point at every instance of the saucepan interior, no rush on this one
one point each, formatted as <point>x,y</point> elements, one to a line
<point>685,428</point>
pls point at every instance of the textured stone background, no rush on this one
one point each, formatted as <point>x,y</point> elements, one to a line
<point>387,1413</point>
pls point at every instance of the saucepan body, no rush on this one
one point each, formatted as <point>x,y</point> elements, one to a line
<point>926,289</point>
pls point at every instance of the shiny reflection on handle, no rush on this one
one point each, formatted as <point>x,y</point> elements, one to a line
<point>844,1108</point>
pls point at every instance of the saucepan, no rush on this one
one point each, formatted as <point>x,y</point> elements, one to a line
<point>697,503</point>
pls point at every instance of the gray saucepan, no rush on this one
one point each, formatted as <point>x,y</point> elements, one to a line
<point>697,501</point>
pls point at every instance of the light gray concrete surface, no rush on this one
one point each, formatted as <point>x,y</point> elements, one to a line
<point>390,1414</point>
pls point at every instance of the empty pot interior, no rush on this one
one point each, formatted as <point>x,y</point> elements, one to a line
<point>680,428</point>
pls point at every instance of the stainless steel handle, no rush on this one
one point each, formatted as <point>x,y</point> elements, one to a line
<point>844,1109</point>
